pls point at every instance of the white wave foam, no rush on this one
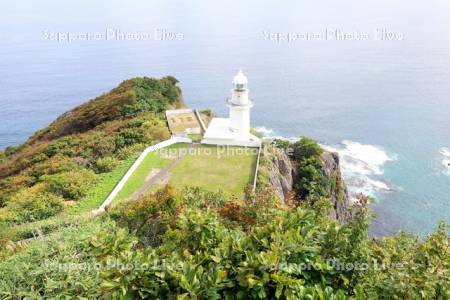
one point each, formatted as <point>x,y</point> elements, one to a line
<point>368,158</point>
<point>445,151</point>
<point>360,164</point>
<point>291,139</point>
<point>270,136</point>
<point>361,159</point>
<point>446,160</point>
<point>361,184</point>
<point>264,130</point>
<point>446,163</point>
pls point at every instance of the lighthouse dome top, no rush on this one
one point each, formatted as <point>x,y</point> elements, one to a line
<point>240,78</point>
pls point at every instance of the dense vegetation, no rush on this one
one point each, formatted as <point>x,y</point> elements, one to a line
<point>54,171</point>
<point>193,244</point>
<point>190,243</point>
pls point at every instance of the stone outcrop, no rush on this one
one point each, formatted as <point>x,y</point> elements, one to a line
<point>337,189</point>
<point>278,172</point>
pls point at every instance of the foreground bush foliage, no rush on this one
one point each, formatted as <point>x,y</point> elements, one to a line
<point>194,244</point>
<point>57,268</point>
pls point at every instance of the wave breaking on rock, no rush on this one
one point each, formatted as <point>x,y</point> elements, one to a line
<point>362,166</point>
<point>445,152</point>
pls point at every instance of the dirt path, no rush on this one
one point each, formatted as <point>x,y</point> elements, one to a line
<point>161,176</point>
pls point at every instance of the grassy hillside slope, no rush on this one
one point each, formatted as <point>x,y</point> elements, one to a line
<point>73,163</point>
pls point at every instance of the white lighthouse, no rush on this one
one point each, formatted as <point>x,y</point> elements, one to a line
<point>240,106</point>
<point>236,129</point>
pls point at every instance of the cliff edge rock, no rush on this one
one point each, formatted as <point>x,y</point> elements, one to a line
<point>278,172</point>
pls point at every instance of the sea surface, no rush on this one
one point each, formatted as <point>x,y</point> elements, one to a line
<point>370,79</point>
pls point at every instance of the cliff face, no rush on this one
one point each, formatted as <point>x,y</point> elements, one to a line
<point>278,172</point>
<point>337,189</point>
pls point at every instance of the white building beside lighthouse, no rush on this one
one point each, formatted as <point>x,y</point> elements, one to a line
<point>235,130</point>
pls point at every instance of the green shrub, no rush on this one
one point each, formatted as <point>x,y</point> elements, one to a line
<point>406,267</point>
<point>71,185</point>
<point>130,136</point>
<point>281,144</point>
<point>310,182</point>
<point>34,204</point>
<point>41,227</point>
<point>306,148</point>
<point>286,254</point>
<point>152,95</point>
<point>13,184</point>
<point>55,164</point>
<point>11,150</point>
<point>156,130</point>
<point>103,146</point>
<point>204,257</point>
<point>148,217</point>
<point>105,165</point>
<point>7,217</point>
<point>130,151</point>
<point>169,89</point>
<point>63,146</point>
<point>59,267</point>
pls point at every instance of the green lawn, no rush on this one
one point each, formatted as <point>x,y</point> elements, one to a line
<point>103,186</point>
<point>216,169</point>
<point>208,167</point>
<point>151,161</point>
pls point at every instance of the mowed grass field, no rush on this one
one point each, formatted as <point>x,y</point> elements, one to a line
<point>226,169</point>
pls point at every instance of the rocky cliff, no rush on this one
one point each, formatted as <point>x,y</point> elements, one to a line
<point>278,172</point>
<point>337,190</point>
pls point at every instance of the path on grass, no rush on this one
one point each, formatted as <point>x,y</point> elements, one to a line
<point>161,176</point>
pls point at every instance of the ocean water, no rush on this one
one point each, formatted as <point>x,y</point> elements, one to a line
<point>370,79</point>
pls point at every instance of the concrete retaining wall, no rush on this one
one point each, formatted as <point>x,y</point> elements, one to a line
<point>171,112</point>
<point>257,167</point>
<point>199,117</point>
<point>224,142</point>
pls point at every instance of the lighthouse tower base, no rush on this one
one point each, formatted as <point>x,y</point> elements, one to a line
<point>220,132</point>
